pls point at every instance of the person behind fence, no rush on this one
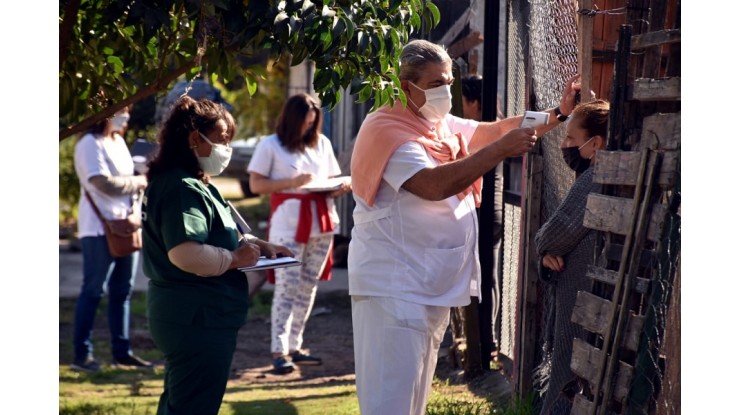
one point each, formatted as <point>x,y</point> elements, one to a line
<point>106,173</point>
<point>416,179</point>
<point>197,298</point>
<point>489,308</point>
<point>566,248</point>
<point>301,220</point>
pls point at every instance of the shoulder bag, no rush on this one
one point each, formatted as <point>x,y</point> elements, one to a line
<point>123,235</point>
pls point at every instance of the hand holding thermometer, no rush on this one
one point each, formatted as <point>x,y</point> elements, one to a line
<point>534,119</point>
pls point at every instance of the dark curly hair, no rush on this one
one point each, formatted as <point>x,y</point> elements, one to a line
<point>186,115</point>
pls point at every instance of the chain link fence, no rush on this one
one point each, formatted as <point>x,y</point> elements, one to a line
<point>541,55</point>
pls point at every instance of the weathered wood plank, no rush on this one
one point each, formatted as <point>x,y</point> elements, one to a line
<point>669,169</point>
<point>592,313</point>
<point>652,63</point>
<point>584,363</point>
<point>622,168</point>
<point>585,25</point>
<point>661,131</point>
<point>658,38</point>
<point>614,253</point>
<point>650,89</point>
<point>610,277</point>
<point>613,214</point>
<point>617,167</point>
<point>581,405</point>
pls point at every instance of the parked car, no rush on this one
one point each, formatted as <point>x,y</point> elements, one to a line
<point>240,157</point>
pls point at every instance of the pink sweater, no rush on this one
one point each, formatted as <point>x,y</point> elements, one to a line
<point>383,131</point>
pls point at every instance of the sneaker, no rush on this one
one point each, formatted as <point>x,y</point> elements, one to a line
<point>86,365</point>
<point>282,366</point>
<point>131,361</point>
<point>303,359</point>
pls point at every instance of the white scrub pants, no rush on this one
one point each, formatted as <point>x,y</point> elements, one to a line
<point>396,344</point>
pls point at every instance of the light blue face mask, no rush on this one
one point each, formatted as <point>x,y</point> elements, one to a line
<point>216,162</point>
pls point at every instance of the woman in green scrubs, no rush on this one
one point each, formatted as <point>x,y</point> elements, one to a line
<point>197,298</point>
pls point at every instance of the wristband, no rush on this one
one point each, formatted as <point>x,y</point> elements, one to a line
<point>559,115</point>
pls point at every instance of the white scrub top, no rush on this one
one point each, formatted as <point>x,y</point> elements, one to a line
<point>414,249</point>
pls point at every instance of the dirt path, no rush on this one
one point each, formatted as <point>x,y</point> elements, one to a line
<point>328,335</point>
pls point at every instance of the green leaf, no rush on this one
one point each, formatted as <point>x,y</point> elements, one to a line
<point>326,12</point>
<point>350,25</point>
<point>322,79</point>
<point>280,18</point>
<point>117,64</point>
<point>307,7</point>
<point>365,93</point>
<point>356,84</point>
<point>362,42</point>
<point>326,40</point>
<point>299,54</point>
<point>337,27</point>
<point>251,83</point>
<point>415,21</point>
<point>435,13</point>
<point>337,98</point>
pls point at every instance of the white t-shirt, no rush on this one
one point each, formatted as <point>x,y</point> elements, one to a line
<point>414,249</point>
<point>101,157</point>
<point>273,161</point>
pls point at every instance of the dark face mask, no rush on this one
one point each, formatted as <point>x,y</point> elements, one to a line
<point>572,157</point>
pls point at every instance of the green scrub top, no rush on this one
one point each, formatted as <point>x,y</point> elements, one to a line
<point>178,208</point>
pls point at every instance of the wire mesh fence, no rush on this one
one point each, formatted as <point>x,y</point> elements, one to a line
<point>541,55</point>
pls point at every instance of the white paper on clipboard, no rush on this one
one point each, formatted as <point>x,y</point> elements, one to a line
<point>267,263</point>
<point>325,185</point>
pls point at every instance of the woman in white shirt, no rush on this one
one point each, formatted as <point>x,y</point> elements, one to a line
<point>106,172</point>
<point>300,220</point>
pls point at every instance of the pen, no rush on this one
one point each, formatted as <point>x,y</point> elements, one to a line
<point>241,224</point>
<point>241,231</point>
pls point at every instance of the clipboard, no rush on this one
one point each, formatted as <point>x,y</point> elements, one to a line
<point>267,263</point>
<point>325,185</point>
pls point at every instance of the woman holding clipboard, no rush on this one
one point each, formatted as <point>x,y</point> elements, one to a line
<point>304,221</point>
<point>197,297</point>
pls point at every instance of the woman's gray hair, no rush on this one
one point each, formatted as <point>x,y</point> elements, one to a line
<point>416,55</point>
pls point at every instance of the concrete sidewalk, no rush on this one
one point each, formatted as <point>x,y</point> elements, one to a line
<point>70,275</point>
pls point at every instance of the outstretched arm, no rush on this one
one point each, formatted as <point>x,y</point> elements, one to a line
<point>488,132</point>
<point>445,180</point>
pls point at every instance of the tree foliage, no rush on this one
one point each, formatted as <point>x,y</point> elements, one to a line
<point>114,53</point>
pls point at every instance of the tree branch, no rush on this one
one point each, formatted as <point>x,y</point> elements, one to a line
<point>158,85</point>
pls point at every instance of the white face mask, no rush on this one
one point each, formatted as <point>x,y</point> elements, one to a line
<point>119,122</point>
<point>438,102</point>
<point>214,164</point>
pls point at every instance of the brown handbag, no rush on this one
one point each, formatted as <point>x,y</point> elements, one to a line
<point>123,235</point>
